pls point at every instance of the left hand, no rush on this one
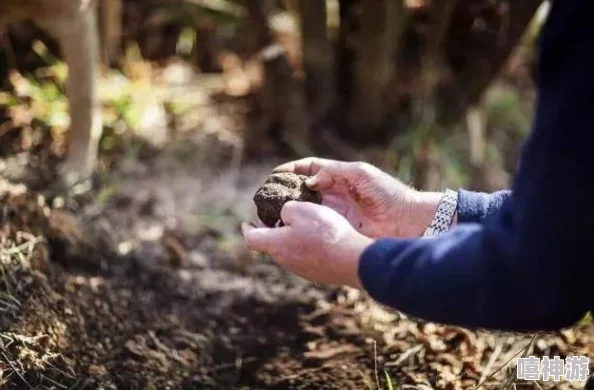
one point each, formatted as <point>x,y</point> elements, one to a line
<point>375,203</point>
<point>316,243</point>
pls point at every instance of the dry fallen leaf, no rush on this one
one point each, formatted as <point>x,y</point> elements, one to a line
<point>330,353</point>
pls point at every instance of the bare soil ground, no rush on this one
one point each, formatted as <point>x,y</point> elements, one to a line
<point>142,282</point>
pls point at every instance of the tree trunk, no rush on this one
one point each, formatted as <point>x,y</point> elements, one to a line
<point>284,106</point>
<point>432,72</point>
<point>207,49</point>
<point>111,18</point>
<point>480,41</point>
<point>318,60</point>
<point>369,38</point>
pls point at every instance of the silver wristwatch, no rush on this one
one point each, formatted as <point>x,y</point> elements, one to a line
<point>445,214</point>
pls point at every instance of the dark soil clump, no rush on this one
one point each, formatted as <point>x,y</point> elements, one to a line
<point>277,190</point>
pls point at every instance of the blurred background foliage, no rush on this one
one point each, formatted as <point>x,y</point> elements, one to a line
<point>438,92</point>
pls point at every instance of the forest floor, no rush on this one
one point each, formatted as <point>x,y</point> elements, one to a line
<point>141,281</point>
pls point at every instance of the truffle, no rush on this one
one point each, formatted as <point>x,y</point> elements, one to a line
<point>277,190</point>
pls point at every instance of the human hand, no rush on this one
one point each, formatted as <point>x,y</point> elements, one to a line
<point>376,204</point>
<point>315,243</point>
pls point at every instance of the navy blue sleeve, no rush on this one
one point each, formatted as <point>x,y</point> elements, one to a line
<point>528,265</point>
<point>476,206</point>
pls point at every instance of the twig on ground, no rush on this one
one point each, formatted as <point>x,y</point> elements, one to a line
<point>525,349</point>
<point>71,376</point>
<point>234,364</point>
<point>16,371</point>
<point>375,364</point>
<point>54,382</point>
<point>492,361</point>
<point>510,380</point>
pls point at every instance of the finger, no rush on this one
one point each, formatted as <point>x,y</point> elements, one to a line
<point>331,174</point>
<point>294,211</point>
<point>263,239</point>
<point>306,166</point>
<point>290,211</point>
<point>324,180</point>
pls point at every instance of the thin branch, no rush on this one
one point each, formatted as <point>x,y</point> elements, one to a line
<point>16,370</point>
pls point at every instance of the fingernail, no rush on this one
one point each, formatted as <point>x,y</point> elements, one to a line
<point>311,182</point>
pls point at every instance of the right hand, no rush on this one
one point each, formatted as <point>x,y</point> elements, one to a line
<point>315,243</point>
<point>376,204</point>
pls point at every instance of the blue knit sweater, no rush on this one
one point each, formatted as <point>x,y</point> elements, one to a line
<point>520,259</point>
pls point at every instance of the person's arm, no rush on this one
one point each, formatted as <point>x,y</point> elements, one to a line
<point>477,206</point>
<point>528,266</point>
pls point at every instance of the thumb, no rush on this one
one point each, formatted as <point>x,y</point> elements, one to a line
<point>295,212</point>
<point>322,181</point>
<point>292,210</point>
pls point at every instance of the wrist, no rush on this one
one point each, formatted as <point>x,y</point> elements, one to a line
<point>351,255</point>
<point>419,213</point>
